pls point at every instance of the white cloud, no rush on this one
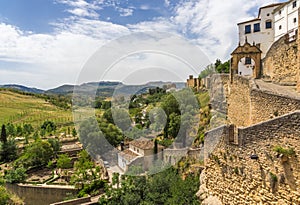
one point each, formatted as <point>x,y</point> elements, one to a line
<point>60,55</point>
<point>209,24</point>
<point>125,11</point>
<point>167,3</point>
<point>82,8</point>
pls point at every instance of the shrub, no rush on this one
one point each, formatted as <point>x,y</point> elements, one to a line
<point>16,175</point>
<point>286,152</point>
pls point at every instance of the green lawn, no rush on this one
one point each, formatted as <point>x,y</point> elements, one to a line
<point>20,109</point>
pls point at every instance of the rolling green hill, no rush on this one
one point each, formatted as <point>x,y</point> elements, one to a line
<point>19,109</point>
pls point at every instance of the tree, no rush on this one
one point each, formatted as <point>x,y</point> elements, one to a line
<point>27,129</point>
<point>49,126</point>
<point>210,69</point>
<point>19,131</point>
<point>36,136</point>
<point>10,128</point>
<point>217,63</point>
<point>74,133</point>
<point>108,116</point>
<point>84,170</point>
<point>43,132</point>
<point>223,67</point>
<point>3,134</point>
<point>55,144</point>
<point>63,161</point>
<point>16,175</point>
<point>106,105</point>
<point>36,154</point>
<point>174,124</point>
<point>8,151</point>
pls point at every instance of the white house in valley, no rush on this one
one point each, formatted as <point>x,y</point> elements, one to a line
<point>286,19</point>
<point>140,152</point>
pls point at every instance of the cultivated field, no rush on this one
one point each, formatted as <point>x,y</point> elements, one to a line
<point>20,109</point>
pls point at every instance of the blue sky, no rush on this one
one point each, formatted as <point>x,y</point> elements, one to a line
<point>46,43</point>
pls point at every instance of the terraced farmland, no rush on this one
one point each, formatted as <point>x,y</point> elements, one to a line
<point>20,109</point>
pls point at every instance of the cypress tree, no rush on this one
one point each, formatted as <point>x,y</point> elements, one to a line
<point>3,134</point>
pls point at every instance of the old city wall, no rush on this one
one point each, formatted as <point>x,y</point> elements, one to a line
<point>234,178</point>
<point>46,194</point>
<point>248,105</point>
<point>239,101</point>
<point>265,105</point>
<point>217,86</point>
<point>281,62</point>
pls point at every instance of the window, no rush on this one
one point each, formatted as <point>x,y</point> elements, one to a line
<point>294,4</point>
<point>279,12</point>
<point>268,24</point>
<point>247,29</point>
<point>295,20</point>
<point>268,14</point>
<point>256,27</point>
<point>280,27</point>
<point>248,61</point>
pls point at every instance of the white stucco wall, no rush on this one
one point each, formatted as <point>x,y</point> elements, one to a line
<point>244,69</point>
<point>266,36</point>
<point>286,19</point>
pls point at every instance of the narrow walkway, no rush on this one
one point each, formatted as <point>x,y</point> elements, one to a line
<point>278,89</point>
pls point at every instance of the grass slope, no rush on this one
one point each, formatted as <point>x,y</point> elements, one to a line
<point>20,109</point>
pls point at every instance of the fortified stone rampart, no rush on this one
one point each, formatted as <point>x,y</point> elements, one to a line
<point>239,101</point>
<point>266,105</point>
<point>252,171</point>
<point>213,138</point>
<point>217,86</point>
<point>248,105</point>
<point>193,83</point>
<point>281,62</point>
<point>280,127</point>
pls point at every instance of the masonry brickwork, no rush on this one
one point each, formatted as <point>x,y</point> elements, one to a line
<point>234,178</point>
<point>248,105</point>
<point>194,83</point>
<point>281,62</point>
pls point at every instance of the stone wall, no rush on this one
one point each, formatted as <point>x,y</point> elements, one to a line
<point>239,101</point>
<point>283,126</point>
<point>193,83</point>
<point>212,139</point>
<point>265,106</point>
<point>248,105</point>
<point>234,178</point>
<point>218,84</point>
<point>41,195</point>
<point>281,62</point>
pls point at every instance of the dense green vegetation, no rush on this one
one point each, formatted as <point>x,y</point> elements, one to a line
<point>166,187</point>
<point>217,67</point>
<point>168,116</point>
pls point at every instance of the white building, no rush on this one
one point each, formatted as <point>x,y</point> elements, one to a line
<point>286,19</point>
<point>259,30</point>
<point>140,151</point>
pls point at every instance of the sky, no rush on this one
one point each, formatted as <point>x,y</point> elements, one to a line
<point>47,43</point>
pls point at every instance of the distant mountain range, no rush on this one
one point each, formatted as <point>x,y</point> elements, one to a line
<point>22,88</point>
<point>101,88</point>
